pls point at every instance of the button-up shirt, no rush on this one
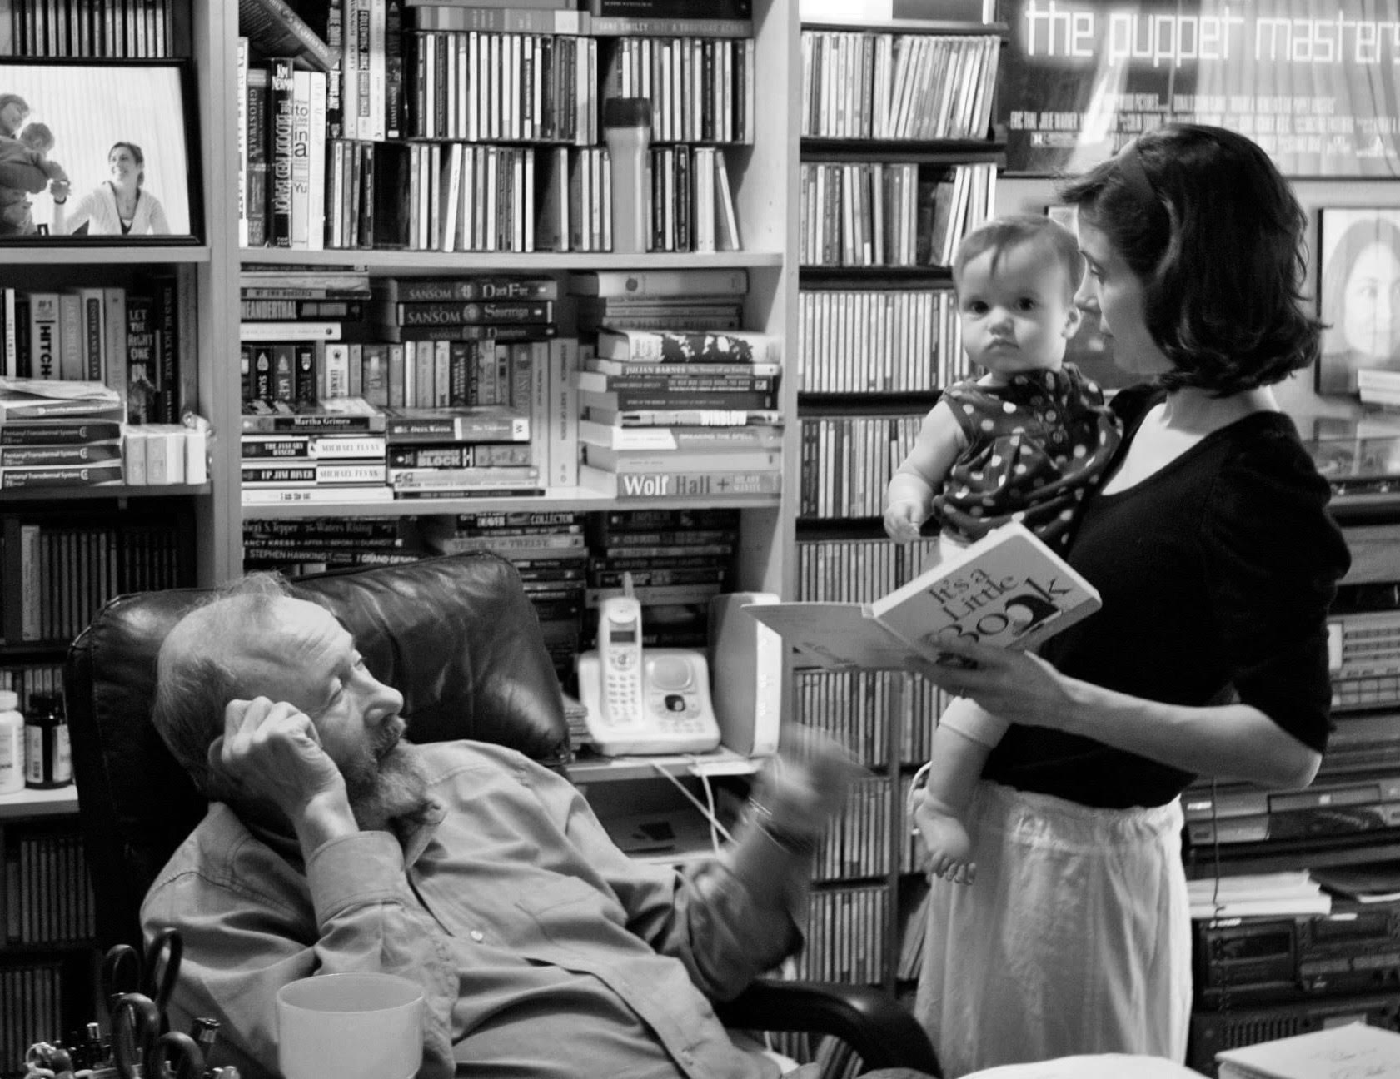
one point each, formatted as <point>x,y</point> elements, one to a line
<point>543,950</point>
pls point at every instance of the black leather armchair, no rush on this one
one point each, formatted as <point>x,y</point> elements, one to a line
<point>458,637</point>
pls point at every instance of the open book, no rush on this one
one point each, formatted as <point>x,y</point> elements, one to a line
<point>1343,1052</point>
<point>1008,589</point>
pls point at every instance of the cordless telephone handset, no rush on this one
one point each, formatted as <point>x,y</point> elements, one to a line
<point>620,653</point>
<point>635,701</point>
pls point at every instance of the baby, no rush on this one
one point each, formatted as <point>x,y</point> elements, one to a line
<point>27,156</point>
<point>1024,441</point>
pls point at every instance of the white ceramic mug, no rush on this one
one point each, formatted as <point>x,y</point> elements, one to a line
<point>357,1025</point>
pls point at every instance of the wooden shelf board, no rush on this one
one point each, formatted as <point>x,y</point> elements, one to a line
<point>911,26</point>
<point>564,499</point>
<point>929,151</point>
<point>59,802</point>
<point>876,277</point>
<point>479,262</point>
<point>113,490</point>
<point>55,252</point>
<point>721,761</point>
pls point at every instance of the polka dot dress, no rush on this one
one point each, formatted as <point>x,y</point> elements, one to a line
<point>1036,447</point>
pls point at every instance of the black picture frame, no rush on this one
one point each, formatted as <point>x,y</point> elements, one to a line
<point>1358,294</point>
<point>91,106</point>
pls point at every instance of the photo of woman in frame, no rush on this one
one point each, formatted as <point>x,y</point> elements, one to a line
<point>122,135</point>
<point>1359,295</point>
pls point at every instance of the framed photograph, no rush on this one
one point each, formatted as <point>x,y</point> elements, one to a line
<point>98,152</point>
<point>1358,295</point>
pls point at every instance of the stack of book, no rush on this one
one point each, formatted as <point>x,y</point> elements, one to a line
<point>297,328</point>
<point>464,309</point>
<point>56,433</point>
<point>333,450</point>
<point>464,452</point>
<point>675,413</point>
<point>548,550</point>
<point>698,299</point>
<point>677,559</point>
<point>316,544</point>
<point>127,338</point>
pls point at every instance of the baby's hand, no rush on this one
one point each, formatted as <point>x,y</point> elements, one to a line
<point>902,520</point>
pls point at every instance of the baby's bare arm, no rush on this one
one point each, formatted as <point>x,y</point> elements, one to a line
<point>909,497</point>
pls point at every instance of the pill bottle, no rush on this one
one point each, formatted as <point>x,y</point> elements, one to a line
<point>627,128</point>
<point>48,759</point>
<point>11,743</point>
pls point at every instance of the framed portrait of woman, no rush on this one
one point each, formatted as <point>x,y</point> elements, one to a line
<point>1358,295</point>
<point>98,152</point>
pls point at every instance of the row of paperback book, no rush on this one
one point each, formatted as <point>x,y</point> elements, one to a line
<point>863,709</point>
<point>49,897</point>
<point>56,572</point>
<point>31,1004</point>
<point>306,175</point>
<point>401,388</point>
<point>847,463</point>
<point>846,935</point>
<point>856,844</point>
<point>873,213</point>
<point>897,86</point>
<point>458,196</point>
<point>858,570</point>
<point>101,29</point>
<point>362,43</point>
<point>128,339</point>
<point>879,341</point>
<point>631,413</point>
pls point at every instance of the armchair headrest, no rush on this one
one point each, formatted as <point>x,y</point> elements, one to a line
<point>456,635</point>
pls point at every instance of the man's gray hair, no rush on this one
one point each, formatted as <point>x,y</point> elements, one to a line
<point>198,672</point>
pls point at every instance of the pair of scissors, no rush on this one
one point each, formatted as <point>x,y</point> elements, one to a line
<point>141,1051</point>
<point>152,973</point>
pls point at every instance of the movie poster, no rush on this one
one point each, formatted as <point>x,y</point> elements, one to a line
<point>1313,83</point>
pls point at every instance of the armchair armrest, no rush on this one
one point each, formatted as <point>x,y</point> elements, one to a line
<point>870,1021</point>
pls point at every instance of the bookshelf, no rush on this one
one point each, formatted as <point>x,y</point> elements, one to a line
<point>773,536</point>
<point>87,536</point>
<point>876,339</point>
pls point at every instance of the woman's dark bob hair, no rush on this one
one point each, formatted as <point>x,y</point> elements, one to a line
<point>1204,218</point>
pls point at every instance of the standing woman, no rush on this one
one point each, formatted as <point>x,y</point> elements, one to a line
<point>119,207</point>
<point>1212,547</point>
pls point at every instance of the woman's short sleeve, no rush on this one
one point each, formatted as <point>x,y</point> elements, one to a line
<point>1274,556</point>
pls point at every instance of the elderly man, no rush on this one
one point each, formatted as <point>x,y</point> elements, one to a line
<point>333,845</point>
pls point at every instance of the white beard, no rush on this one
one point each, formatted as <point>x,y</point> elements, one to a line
<point>391,788</point>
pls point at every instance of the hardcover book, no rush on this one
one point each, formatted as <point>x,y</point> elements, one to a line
<point>274,29</point>
<point>678,346</point>
<point>1008,589</point>
<point>687,284</point>
<point>75,399</point>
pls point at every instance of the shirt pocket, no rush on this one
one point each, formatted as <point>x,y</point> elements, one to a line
<point>572,913</point>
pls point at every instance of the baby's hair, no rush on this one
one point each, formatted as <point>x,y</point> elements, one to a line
<point>37,136</point>
<point>1003,234</point>
<point>14,99</point>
